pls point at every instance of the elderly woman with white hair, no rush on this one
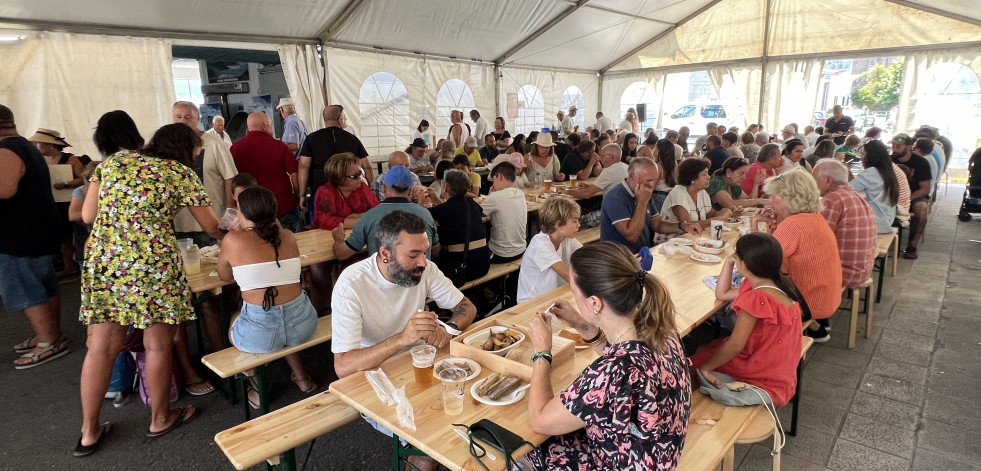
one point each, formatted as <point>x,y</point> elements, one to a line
<point>809,247</point>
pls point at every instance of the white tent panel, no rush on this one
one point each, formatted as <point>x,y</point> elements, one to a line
<point>552,85</point>
<point>967,8</point>
<point>468,30</point>
<point>587,39</point>
<point>668,11</point>
<point>258,17</point>
<point>847,25</point>
<point>733,29</point>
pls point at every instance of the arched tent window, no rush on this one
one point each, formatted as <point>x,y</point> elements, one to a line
<point>384,107</point>
<point>531,110</point>
<point>949,99</point>
<point>455,94</point>
<point>635,94</point>
<point>573,96</point>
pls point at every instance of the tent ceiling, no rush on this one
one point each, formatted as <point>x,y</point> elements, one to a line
<point>536,33</point>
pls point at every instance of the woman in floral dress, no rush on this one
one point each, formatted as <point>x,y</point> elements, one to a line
<point>133,275</point>
<point>629,408</point>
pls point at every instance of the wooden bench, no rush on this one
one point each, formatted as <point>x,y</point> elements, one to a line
<point>232,361</point>
<point>497,270</point>
<point>588,235</point>
<point>709,443</point>
<point>280,431</point>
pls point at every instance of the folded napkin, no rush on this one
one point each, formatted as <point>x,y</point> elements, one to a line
<point>389,395</point>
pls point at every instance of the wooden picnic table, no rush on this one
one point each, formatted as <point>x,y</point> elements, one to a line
<point>434,433</point>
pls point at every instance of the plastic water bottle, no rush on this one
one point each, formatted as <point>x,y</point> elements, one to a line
<point>539,182</point>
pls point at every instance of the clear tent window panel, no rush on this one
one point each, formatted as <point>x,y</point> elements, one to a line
<point>639,93</point>
<point>950,100</point>
<point>455,94</point>
<point>383,105</point>
<point>573,96</point>
<point>531,110</point>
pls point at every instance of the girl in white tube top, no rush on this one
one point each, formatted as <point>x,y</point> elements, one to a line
<point>264,260</point>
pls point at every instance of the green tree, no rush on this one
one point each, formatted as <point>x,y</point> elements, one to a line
<point>879,87</point>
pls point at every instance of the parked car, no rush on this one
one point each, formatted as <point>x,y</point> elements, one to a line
<point>819,119</point>
<point>697,114</point>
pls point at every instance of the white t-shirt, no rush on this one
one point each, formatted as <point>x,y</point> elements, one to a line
<point>224,137</point>
<point>536,276</point>
<point>367,308</point>
<point>603,124</point>
<point>611,176</point>
<point>567,126</point>
<point>480,129</point>
<point>626,126</point>
<point>697,211</point>
<point>509,221</point>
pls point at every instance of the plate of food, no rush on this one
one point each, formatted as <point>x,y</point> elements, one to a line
<point>709,246</point>
<point>471,367</point>
<point>497,339</point>
<point>499,390</point>
<point>731,223</point>
<point>681,241</point>
<point>704,257</point>
<point>574,336</point>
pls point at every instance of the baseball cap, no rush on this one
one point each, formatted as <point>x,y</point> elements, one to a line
<point>6,118</point>
<point>518,160</point>
<point>398,175</point>
<point>418,142</point>
<point>902,138</point>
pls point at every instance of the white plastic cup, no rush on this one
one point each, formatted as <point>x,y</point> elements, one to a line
<point>453,382</point>
<point>423,357</point>
<point>229,221</point>
<point>192,260</point>
<point>716,226</point>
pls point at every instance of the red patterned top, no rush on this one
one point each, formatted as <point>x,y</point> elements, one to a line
<point>330,207</point>
<point>854,226</point>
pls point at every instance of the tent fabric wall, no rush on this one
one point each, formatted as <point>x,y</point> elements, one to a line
<point>791,92</point>
<point>914,77</point>
<point>746,83</point>
<point>347,71</point>
<point>65,82</point>
<point>613,88</point>
<point>552,84</point>
<point>304,74</point>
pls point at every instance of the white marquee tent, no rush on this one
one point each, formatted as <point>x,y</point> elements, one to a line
<point>521,59</point>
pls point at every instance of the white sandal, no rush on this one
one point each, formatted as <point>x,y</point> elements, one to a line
<point>36,360</point>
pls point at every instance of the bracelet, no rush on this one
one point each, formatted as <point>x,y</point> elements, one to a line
<point>542,355</point>
<point>599,339</point>
<point>680,227</point>
<point>599,333</point>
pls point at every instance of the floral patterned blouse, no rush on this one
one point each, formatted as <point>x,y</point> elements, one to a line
<point>635,403</point>
<point>133,274</point>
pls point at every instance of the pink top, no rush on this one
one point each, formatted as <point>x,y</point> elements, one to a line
<point>769,359</point>
<point>330,207</point>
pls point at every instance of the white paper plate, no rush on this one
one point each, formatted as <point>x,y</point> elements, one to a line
<point>481,336</point>
<point>474,366</point>
<point>681,241</point>
<point>704,257</point>
<point>515,396</point>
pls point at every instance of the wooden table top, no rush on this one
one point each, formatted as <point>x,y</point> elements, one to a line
<point>316,246</point>
<point>694,302</point>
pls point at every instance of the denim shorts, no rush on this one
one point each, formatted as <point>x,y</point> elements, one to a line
<point>260,331</point>
<point>26,281</point>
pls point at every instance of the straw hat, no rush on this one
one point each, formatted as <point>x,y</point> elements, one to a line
<point>285,102</point>
<point>49,136</point>
<point>544,140</point>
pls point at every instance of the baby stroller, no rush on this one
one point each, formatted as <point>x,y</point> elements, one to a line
<point>972,194</point>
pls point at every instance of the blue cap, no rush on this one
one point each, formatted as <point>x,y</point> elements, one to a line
<point>399,175</point>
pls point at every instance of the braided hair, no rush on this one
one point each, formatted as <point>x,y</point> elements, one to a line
<point>258,205</point>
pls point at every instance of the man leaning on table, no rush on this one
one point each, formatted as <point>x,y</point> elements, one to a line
<point>378,304</point>
<point>628,214</point>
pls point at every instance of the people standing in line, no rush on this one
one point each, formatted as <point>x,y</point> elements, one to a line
<point>27,278</point>
<point>133,276</point>
<point>273,165</point>
<point>52,147</point>
<point>294,130</point>
<point>319,147</point>
<point>480,126</point>
<point>218,130</point>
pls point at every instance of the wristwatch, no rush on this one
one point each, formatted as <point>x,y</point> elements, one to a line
<point>680,227</point>
<point>453,325</point>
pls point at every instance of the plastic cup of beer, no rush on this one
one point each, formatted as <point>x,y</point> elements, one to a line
<point>423,357</point>
<point>548,185</point>
<point>573,181</point>
<point>453,382</point>
<point>192,260</point>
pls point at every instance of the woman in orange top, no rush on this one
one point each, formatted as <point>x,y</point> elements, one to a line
<point>810,251</point>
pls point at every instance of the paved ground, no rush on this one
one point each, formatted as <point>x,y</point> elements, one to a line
<point>904,399</point>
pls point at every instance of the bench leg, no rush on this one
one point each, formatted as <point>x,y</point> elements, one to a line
<point>400,454</point>
<point>853,322</point>
<point>882,273</point>
<point>795,401</point>
<point>869,306</point>
<point>729,460</point>
<point>260,381</point>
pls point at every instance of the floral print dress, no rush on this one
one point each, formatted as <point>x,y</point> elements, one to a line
<point>635,403</point>
<point>133,274</point>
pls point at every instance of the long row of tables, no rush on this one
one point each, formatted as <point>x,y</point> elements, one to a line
<point>434,435</point>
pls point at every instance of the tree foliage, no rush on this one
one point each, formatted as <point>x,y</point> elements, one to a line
<point>879,87</point>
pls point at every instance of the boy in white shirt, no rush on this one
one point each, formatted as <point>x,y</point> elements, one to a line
<point>545,265</point>
<point>505,206</point>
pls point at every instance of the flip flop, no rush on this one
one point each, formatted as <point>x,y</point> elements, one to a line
<point>56,352</point>
<point>208,388</point>
<point>182,419</point>
<point>25,346</point>
<point>86,450</point>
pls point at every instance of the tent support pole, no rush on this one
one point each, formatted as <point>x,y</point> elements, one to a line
<point>324,86</point>
<point>599,95</point>
<point>764,60</point>
<point>498,90</point>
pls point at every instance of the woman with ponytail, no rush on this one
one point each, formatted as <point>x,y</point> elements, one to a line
<point>765,344</point>
<point>629,408</point>
<point>264,260</point>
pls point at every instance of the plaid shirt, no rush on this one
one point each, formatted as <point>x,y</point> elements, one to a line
<point>854,226</point>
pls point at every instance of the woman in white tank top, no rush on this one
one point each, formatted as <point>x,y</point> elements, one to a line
<point>264,260</point>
